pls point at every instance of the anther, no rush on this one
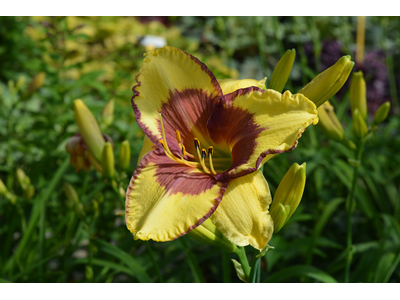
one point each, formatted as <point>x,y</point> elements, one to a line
<point>183,149</point>
<point>178,137</point>
<point>203,154</point>
<point>196,143</point>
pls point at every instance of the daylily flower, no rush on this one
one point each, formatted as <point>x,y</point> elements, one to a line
<point>203,150</point>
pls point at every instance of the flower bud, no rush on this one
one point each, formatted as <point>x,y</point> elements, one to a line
<point>230,85</point>
<point>359,127</point>
<point>107,115</point>
<point>207,233</point>
<point>280,214</point>
<point>282,71</point>
<point>107,160</point>
<point>71,193</point>
<point>3,189</point>
<point>382,113</point>
<point>36,83</point>
<point>288,195</point>
<point>23,180</point>
<point>329,123</point>
<point>328,83</point>
<point>358,94</point>
<point>89,129</point>
<point>124,156</point>
<point>29,192</point>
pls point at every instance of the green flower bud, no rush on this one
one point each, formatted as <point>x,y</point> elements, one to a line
<point>29,192</point>
<point>282,71</point>
<point>358,94</point>
<point>207,233</point>
<point>329,123</point>
<point>107,160</point>
<point>36,83</point>
<point>23,180</point>
<point>107,115</point>
<point>3,189</point>
<point>328,83</point>
<point>71,193</point>
<point>89,129</point>
<point>288,195</point>
<point>382,113</point>
<point>124,156</point>
<point>359,127</point>
<point>280,214</point>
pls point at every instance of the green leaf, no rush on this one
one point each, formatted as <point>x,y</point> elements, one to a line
<point>301,270</point>
<point>384,266</point>
<point>326,214</point>
<point>136,268</point>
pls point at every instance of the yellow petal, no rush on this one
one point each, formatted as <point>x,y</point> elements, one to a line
<point>243,215</point>
<point>182,89</point>
<point>166,199</point>
<point>147,147</point>
<point>230,85</point>
<point>254,125</point>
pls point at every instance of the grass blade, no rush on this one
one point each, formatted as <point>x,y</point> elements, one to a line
<point>301,270</point>
<point>136,268</point>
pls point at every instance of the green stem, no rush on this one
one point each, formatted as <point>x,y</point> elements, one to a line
<point>350,206</point>
<point>241,253</point>
<point>255,268</point>
<point>226,267</point>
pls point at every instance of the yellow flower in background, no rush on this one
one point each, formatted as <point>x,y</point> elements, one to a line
<point>203,150</point>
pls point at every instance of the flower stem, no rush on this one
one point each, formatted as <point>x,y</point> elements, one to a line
<point>350,208</point>
<point>255,268</point>
<point>241,253</point>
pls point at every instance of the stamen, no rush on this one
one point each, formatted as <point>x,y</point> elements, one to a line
<point>202,161</point>
<point>210,153</point>
<point>165,144</point>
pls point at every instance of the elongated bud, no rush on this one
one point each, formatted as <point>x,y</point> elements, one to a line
<point>107,160</point>
<point>107,115</point>
<point>359,127</point>
<point>207,233</point>
<point>328,83</point>
<point>280,214</point>
<point>124,156</point>
<point>288,195</point>
<point>282,71</point>
<point>23,180</point>
<point>231,85</point>
<point>382,113</point>
<point>36,83</point>
<point>3,189</point>
<point>329,123</point>
<point>29,192</point>
<point>89,129</point>
<point>71,193</point>
<point>358,94</point>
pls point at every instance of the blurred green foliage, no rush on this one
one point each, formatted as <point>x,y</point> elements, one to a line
<point>48,238</point>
